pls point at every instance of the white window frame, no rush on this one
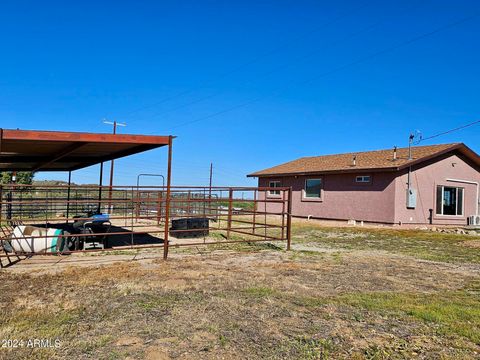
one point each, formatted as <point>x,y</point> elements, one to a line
<point>457,188</point>
<point>304,192</point>
<point>277,183</point>
<point>363,179</point>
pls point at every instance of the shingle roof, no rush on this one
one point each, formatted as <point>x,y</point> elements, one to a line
<point>379,160</point>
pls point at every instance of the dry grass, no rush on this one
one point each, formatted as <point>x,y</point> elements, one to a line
<point>344,293</point>
<point>418,243</point>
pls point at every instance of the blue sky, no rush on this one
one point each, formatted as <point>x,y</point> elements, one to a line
<point>243,84</point>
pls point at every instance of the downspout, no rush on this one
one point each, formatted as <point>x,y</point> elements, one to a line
<point>473,183</point>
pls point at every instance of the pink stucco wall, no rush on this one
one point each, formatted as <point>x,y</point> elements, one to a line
<point>384,199</point>
<point>425,179</point>
<point>343,198</point>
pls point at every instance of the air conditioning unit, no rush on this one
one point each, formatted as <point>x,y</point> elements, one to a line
<point>474,220</point>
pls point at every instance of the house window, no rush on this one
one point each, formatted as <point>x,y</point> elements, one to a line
<point>449,200</point>
<point>363,179</point>
<point>313,188</point>
<point>274,184</point>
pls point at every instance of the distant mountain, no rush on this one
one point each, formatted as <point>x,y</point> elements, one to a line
<point>50,183</point>
<point>56,183</point>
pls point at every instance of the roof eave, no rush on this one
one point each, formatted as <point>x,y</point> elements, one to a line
<point>459,146</point>
<point>343,171</point>
<point>42,135</point>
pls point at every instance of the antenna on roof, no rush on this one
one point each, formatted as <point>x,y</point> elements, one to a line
<point>414,138</point>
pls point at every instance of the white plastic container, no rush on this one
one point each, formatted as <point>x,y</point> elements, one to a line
<point>31,239</point>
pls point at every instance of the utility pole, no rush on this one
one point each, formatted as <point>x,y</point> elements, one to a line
<point>115,124</point>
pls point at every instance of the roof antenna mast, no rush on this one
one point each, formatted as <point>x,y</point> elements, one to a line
<point>410,141</point>
<point>414,138</point>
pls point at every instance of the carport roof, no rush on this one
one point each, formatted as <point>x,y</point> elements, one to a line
<point>30,150</point>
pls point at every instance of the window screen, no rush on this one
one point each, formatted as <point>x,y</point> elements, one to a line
<point>313,188</point>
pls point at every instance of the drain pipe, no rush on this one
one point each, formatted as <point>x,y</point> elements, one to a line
<point>473,183</point>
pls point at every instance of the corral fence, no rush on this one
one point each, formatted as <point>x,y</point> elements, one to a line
<point>62,220</point>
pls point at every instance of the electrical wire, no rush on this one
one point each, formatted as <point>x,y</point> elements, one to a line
<point>337,69</point>
<point>276,70</point>
<point>450,131</point>
<point>254,60</point>
<point>298,59</point>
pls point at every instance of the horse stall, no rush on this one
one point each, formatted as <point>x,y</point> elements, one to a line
<point>61,220</point>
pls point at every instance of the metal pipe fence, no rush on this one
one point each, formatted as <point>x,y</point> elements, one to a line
<point>60,220</point>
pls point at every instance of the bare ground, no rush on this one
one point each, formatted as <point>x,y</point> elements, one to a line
<point>321,300</point>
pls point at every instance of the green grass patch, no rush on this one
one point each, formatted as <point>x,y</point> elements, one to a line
<point>245,205</point>
<point>163,302</point>
<point>452,312</point>
<point>309,301</point>
<point>223,340</point>
<point>421,244</point>
<point>245,246</point>
<point>306,348</point>
<point>41,323</point>
<point>89,347</point>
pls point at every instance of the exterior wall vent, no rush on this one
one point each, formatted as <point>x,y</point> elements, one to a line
<point>474,220</point>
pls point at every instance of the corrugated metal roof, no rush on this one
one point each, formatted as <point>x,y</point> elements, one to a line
<point>31,150</point>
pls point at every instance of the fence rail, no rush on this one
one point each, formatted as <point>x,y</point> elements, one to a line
<point>41,220</point>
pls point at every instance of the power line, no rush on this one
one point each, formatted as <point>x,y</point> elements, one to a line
<point>269,73</point>
<point>284,66</point>
<point>450,131</point>
<point>338,69</point>
<point>254,60</point>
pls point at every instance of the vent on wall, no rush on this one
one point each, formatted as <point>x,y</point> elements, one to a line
<point>474,220</point>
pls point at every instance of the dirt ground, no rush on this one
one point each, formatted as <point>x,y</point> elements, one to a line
<point>340,293</point>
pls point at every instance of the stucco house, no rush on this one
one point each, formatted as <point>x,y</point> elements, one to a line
<point>437,184</point>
